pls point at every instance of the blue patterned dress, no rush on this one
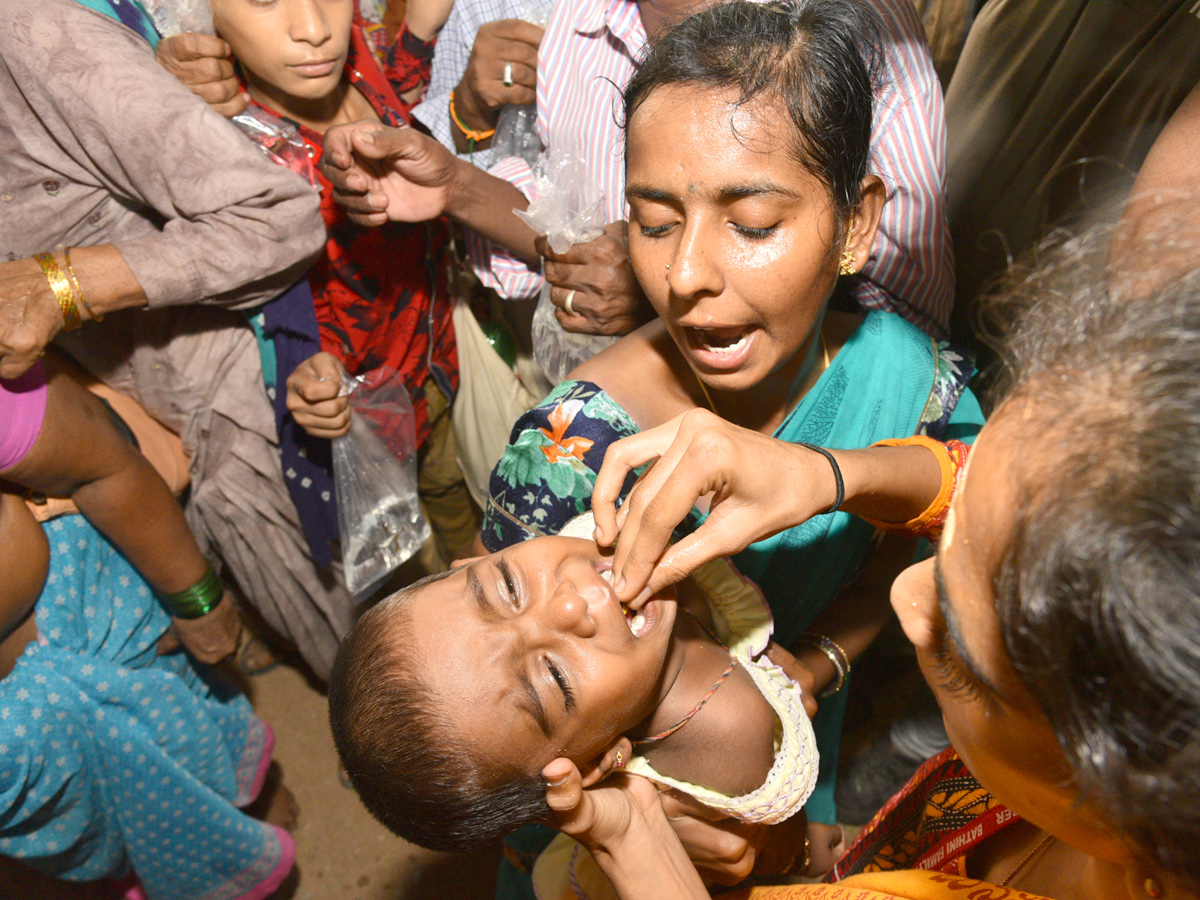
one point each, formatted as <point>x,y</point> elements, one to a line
<point>115,761</point>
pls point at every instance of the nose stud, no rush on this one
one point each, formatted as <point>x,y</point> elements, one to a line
<point>668,267</point>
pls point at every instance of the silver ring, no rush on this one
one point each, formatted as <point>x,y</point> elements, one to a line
<point>507,80</point>
<point>567,307</point>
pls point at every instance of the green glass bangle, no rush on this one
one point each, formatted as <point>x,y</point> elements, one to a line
<point>198,600</point>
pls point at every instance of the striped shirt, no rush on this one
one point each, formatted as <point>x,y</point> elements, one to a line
<point>588,55</point>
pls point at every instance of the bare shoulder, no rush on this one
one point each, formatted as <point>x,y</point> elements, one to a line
<point>645,374</point>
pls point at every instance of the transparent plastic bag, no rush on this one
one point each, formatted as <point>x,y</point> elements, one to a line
<point>279,141</point>
<point>173,17</point>
<point>516,129</point>
<point>569,210</point>
<point>375,478</point>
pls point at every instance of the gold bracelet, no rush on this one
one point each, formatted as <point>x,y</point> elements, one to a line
<point>99,317</point>
<point>469,133</point>
<point>62,290</point>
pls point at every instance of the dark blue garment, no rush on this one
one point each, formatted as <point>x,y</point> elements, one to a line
<point>289,323</point>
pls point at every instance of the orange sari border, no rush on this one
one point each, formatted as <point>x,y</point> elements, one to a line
<point>909,885</point>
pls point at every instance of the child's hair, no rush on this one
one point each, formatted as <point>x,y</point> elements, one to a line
<point>401,752</point>
<point>819,58</point>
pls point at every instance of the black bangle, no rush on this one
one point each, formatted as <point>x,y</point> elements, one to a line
<point>837,475</point>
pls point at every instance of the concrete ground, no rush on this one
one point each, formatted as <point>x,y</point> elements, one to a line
<point>341,852</point>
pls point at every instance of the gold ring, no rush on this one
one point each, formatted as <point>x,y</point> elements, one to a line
<point>507,80</point>
<point>567,304</point>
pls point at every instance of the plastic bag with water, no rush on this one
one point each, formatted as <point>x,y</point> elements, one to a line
<point>516,129</point>
<point>569,210</point>
<point>375,479</point>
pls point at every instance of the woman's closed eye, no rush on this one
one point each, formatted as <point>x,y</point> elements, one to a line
<point>511,587</point>
<point>754,233</point>
<point>653,231</point>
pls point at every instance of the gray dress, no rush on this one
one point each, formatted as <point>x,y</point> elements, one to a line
<point>99,145</point>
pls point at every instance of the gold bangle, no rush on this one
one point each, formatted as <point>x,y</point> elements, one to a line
<point>99,317</point>
<point>469,133</point>
<point>62,290</point>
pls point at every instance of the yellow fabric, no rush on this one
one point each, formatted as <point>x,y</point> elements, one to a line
<point>907,885</point>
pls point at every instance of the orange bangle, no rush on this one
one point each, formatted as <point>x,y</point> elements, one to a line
<point>469,133</point>
<point>952,459</point>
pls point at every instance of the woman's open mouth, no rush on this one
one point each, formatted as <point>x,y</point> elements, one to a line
<point>721,348</point>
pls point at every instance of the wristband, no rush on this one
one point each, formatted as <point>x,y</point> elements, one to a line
<point>837,656</point>
<point>469,133</point>
<point>61,288</point>
<point>837,475</point>
<point>198,600</point>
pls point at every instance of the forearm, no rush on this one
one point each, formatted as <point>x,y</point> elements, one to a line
<point>891,484</point>
<point>105,281</point>
<point>652,866</point>
<point>485,204</point>
<point>154,536</point>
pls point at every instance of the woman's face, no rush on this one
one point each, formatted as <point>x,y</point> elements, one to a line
<point>535,656</point>
<point>728,235</point>
<point>947,606</point>
<point>291,50</point>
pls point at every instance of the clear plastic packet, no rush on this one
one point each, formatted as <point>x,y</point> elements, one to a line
<point>569,210</point>
<point>279,141</point>
<point>173,17</point>
<point>375,478</point>
<point>516,129</point>
<point>373,10</point>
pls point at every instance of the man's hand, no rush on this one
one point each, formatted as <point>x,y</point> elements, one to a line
<point>315,399</point>
<point>760,486</point>
<point>504,45</point>
<point>210,638</point>
<point>202,63</point>
<point>605,296</point>
<point>29,316</point>
<point>382,174</point>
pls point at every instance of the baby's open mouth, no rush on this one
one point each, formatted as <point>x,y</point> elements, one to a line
<point>635,620</point>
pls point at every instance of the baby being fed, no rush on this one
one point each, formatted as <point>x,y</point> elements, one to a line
<point>448,699</point>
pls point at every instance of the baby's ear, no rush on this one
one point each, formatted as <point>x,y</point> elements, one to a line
<point>613,759</point>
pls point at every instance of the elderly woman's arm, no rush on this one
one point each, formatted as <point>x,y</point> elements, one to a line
<point>166,201</point>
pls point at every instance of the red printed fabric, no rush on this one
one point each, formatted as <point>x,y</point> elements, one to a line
<point>380,294</point>
<point>932,824</point>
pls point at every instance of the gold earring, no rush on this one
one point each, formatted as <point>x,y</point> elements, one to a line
<point>620,761</point>
<point>848,255</point>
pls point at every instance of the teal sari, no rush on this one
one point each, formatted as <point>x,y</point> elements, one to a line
<point>890,380</point>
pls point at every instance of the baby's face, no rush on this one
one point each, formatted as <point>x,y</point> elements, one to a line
<point>533,656</point>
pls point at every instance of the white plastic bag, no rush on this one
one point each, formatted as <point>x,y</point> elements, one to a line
<point>569,210</point>
<point>375,478</point>
<point>173,17</point>
<point>516,129</point>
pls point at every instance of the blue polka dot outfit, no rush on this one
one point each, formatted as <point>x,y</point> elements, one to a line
<point>116,761</point>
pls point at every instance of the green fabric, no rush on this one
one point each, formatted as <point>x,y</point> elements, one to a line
<point>129,13</point>
<point>877,387</point>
